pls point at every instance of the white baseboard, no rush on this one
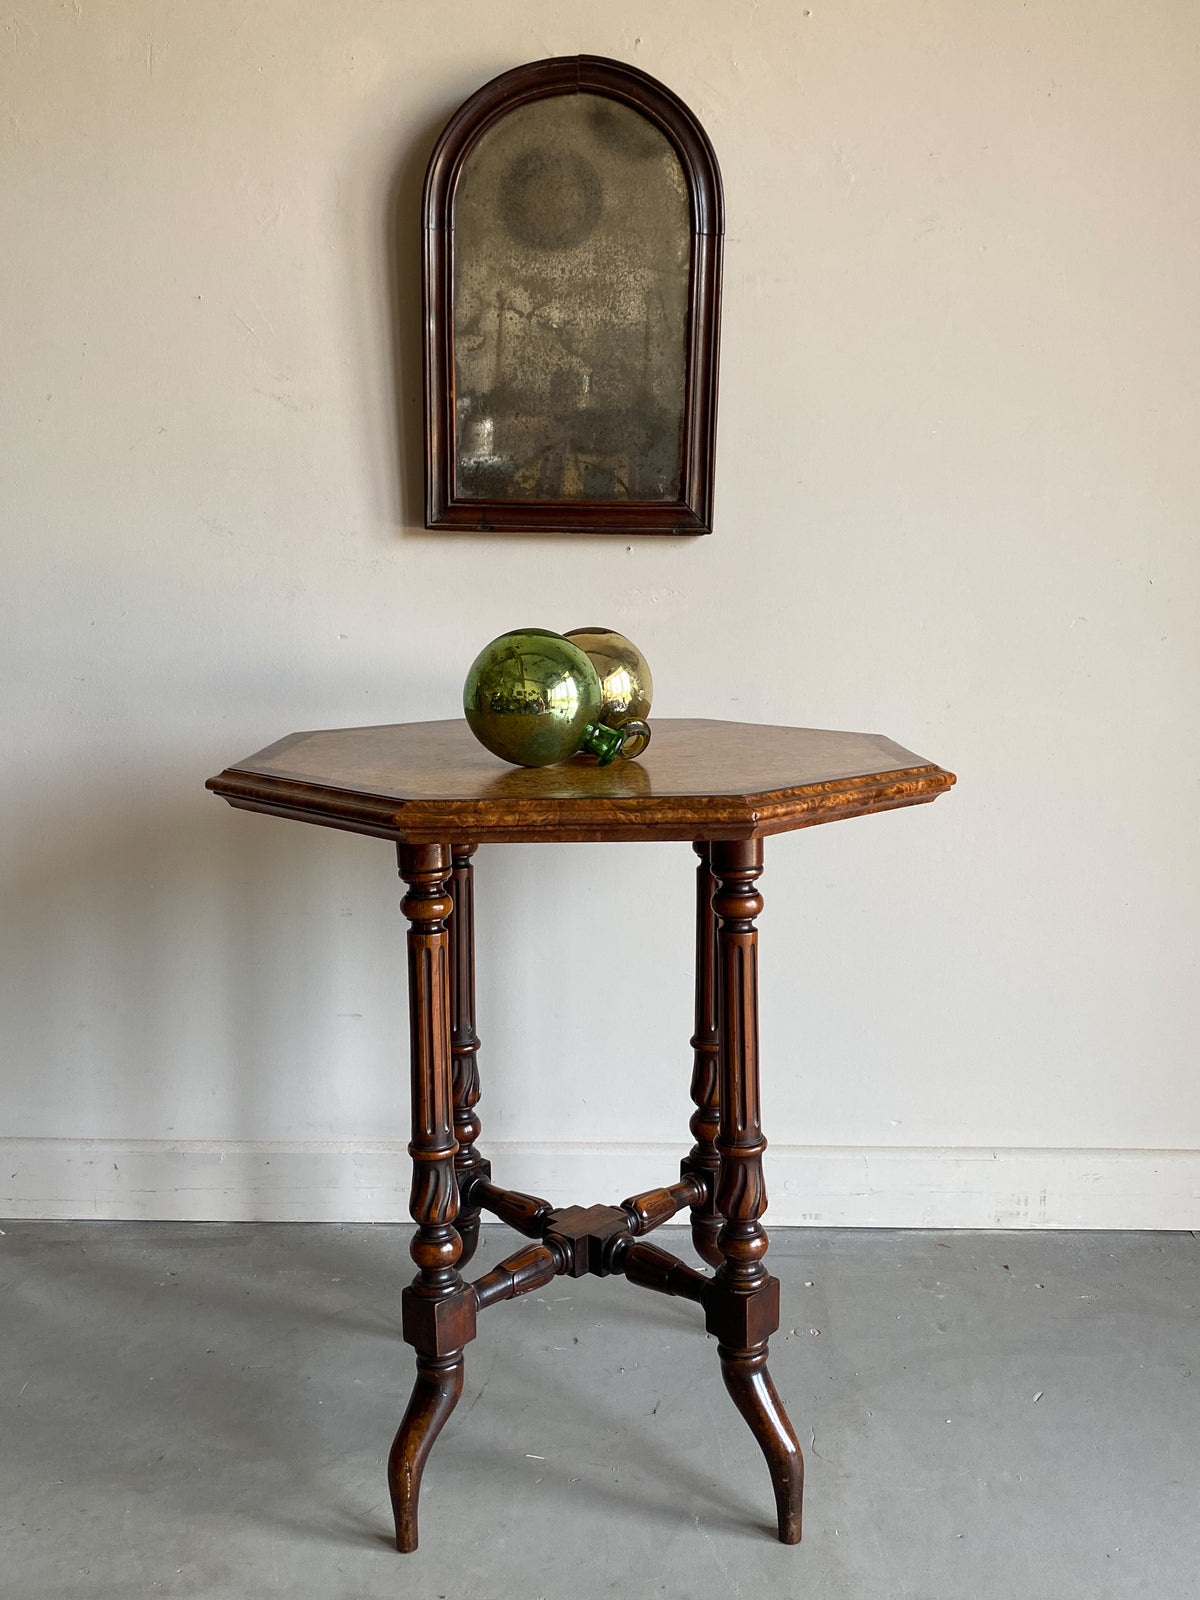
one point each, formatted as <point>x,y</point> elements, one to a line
<point>809,1185</point>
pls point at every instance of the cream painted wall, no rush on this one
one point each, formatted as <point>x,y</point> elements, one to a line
<point>958,484</point>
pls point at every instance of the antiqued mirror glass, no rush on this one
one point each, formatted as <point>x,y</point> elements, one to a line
<point>572,294</point>
<point>572,249</point>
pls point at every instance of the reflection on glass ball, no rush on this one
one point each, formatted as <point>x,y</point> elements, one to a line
<point>531,697</point>
<point>626,686</point>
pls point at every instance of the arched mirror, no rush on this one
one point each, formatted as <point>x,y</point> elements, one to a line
<point>573,223</point>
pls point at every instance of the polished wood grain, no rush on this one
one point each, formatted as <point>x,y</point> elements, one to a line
<point>699,780</point>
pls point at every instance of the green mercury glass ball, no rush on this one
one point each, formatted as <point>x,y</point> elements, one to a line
<point>532,697</point>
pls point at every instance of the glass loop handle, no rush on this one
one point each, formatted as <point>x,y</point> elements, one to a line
<point>606,744</point>
<point>637,737</point>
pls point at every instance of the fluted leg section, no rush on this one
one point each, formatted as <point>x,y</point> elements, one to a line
<point>464,1043</point>
<point>743,1310</point>
<point>438,1309</point>
<point>741,1193</point>
<point>702,1160</point>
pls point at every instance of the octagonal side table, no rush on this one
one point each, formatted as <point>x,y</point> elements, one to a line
<point>723,786</point>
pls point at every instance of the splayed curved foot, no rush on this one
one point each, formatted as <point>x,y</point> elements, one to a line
<point>753,1393</point>
<point>435,1394</point>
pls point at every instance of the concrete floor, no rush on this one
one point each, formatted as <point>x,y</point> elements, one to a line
<point>205,1410</point>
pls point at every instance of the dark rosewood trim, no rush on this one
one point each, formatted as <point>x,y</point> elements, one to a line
<point>742,1307</point>
<point>692,513</point>
<point>702,1160</point>
<point>464,1043</point>
<point>438,1308</point>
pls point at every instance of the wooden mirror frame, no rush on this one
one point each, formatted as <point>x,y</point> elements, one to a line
<point>692,512</point>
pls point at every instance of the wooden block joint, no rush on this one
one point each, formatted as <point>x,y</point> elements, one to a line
<point>438,1327</point>
<point>588,1236</point>
<point>742,1321</point>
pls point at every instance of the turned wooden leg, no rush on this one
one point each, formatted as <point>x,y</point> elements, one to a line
<point>438,1309</point>
<point>464,1043</point>
<point>743,1308</point>
<point>702,1161</point>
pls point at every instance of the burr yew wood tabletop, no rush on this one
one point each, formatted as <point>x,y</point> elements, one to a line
<point>723,786</point>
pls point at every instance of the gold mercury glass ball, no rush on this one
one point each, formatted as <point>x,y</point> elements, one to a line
<point>625,682</point>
